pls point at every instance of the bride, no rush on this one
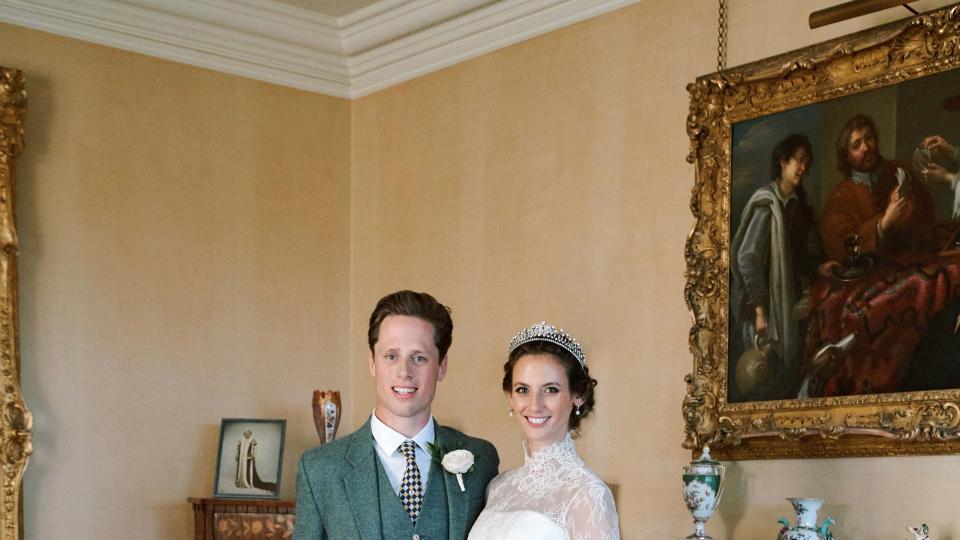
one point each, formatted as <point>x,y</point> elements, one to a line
<point>553,496</point>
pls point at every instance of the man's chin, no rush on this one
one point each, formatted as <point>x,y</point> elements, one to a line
<point>868,165</point>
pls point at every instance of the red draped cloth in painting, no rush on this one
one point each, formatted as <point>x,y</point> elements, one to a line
<point>888,310</point>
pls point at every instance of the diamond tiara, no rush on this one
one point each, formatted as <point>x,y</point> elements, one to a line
<point>544,331</point>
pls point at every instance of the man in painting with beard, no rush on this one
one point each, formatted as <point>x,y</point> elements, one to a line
<point>877,200</point>
<point>885,312</point>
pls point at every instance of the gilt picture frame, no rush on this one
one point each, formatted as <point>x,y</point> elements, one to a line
<point>827,396</point>
<point>16,421</point>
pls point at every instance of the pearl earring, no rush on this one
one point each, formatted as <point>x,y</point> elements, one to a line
<point>577,411</point>
<point>510,413</point>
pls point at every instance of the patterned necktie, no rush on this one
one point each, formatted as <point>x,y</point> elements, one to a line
<point>411,489</point>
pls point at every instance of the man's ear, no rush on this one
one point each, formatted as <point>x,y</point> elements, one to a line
<point>372,365</point>
<point>443,369</point>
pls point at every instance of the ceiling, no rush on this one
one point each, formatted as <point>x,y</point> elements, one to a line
<point>330,8</point>
<point>345,48</point>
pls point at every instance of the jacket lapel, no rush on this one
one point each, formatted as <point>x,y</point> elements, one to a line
<point>456,499</point>
<point>360,481</point>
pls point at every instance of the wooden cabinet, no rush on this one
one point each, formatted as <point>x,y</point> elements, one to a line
<point>242,519</point>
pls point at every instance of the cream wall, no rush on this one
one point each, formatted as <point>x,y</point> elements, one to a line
<point>184,257</point>
<point>548,180</point>
<point>196,245</point>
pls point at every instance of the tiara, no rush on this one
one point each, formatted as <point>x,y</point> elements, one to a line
<point>544,331</point>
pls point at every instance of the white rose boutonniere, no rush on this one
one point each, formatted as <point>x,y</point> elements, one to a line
<point>458,462</point>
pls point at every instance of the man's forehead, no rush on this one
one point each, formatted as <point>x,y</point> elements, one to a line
<point>401,331</point>
<point>861,132</point>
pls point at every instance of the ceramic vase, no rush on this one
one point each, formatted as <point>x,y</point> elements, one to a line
<point>326,414</point>
<point>702,487</point>
<point>806,527</point>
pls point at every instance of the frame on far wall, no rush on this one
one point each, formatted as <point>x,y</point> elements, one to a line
<point>15,420</point>
<point>249,458</point>
<point>827,402</point>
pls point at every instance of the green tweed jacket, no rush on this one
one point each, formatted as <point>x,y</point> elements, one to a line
<point>337,496</point>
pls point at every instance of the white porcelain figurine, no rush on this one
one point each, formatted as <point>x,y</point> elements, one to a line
<point>920,533</point>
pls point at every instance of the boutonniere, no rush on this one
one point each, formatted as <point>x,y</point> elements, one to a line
<point>458,462</point>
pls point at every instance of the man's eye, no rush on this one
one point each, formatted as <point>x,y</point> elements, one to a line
<point>391,356</point>
<point>420,359</point>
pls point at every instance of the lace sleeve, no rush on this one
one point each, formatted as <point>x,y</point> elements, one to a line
<point>592,514</point>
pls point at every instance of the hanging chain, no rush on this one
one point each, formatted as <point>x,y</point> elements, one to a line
<point>722,37</point>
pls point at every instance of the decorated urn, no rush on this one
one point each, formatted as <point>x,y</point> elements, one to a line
<point>806,527</point>
<point>702,487</point>
<point>326,414</point>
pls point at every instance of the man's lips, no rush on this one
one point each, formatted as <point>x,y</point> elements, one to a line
<point>404,391</point>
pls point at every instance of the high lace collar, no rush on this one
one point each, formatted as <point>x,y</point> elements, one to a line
<point>548,468</point>
<point>561,450</point>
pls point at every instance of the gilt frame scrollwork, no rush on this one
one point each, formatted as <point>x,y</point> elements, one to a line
<point>898,423</point>
<point>15,420</point>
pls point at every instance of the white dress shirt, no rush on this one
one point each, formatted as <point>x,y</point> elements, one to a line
<point>388,443</point>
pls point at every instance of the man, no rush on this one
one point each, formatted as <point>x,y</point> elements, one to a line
<point>892,216</point>
<point>379,482</point>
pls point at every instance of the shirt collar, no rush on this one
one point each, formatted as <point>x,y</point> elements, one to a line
<point>389,439</point>
<point>779,194</point>
<point>864,178</point>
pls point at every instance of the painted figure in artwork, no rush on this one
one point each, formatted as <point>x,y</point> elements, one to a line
<point>247,476</point>
<point>901,312</point>
<point>774,256</point>
<point>246,459</point>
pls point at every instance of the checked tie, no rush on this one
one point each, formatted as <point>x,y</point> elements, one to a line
<point>411,489</point>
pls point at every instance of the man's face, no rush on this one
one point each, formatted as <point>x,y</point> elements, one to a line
<point>862,150</point>
<point>406,365</point>
<point>793,170</point>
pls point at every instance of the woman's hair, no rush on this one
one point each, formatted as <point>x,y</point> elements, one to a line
<point>581,384</point>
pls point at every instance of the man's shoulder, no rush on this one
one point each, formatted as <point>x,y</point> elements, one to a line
<point>333,452</point>
<point>846,187</point>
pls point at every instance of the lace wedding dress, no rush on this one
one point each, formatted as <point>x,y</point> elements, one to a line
<point>553,496</point>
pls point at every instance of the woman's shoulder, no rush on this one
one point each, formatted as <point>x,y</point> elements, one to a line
<point>591,483</point>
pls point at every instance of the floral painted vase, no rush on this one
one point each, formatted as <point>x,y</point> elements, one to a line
<point>702,487</point>
<point>806,527</point>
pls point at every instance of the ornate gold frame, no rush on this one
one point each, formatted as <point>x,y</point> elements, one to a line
<point>863,425</point>
<point>15,421</point>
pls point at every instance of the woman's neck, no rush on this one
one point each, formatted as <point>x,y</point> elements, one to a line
<point>535,446</point>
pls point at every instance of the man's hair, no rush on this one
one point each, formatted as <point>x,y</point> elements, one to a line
<point>859,121</point>
<point>785,149</point>
<point>414,304</point>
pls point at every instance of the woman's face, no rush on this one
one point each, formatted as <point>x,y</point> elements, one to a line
<point>793,170</point>
<point>541,400</point>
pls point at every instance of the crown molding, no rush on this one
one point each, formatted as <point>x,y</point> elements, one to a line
<point>371,49</point>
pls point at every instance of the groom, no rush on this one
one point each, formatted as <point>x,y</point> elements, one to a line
<point>379,481</point>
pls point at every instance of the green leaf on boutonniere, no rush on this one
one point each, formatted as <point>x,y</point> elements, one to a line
<point>437,451</point>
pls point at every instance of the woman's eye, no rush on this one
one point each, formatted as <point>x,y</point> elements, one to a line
<point>551,390</point>
<point>521,390</point>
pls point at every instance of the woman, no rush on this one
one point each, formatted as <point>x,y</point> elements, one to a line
<point>553,496</point>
